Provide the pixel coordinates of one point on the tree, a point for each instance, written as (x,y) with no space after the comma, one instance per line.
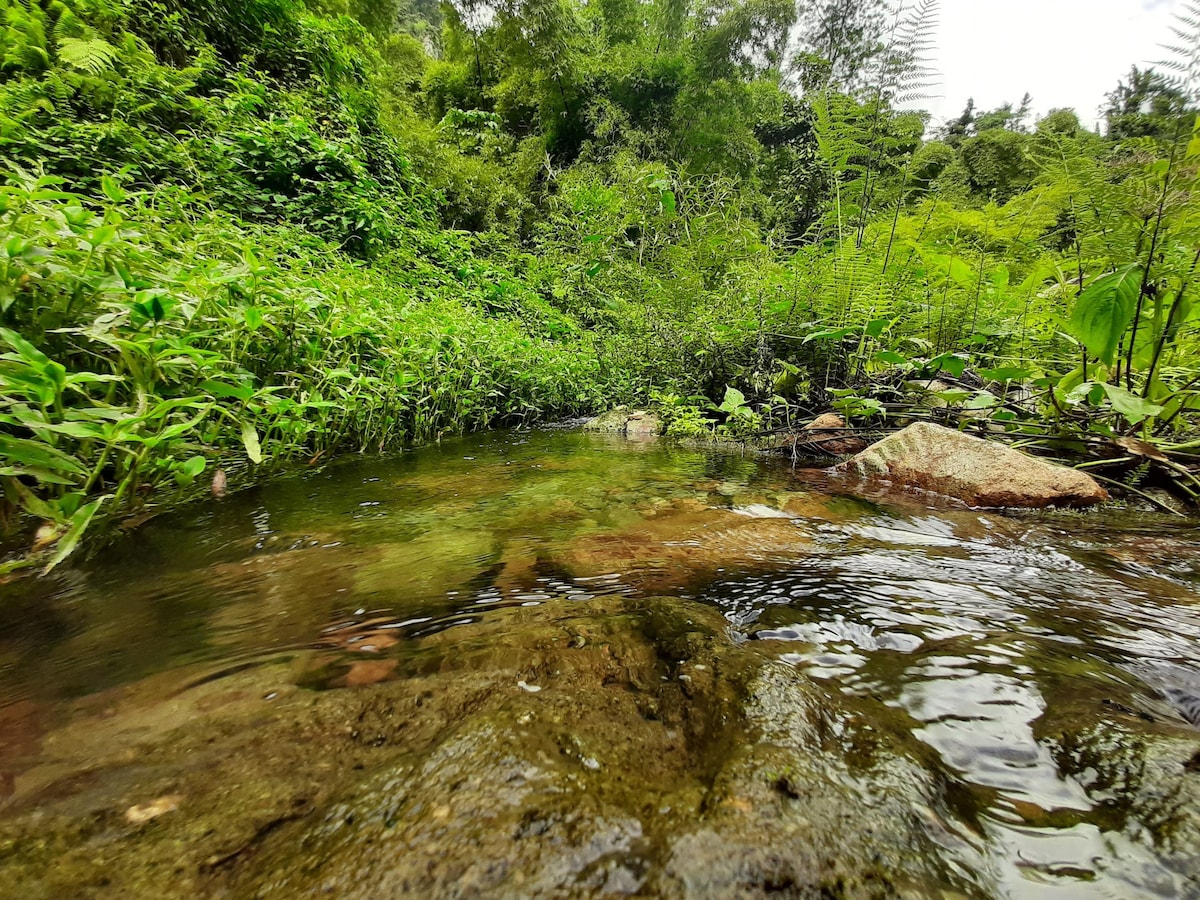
(958,130)
(747,37)
(997,164)
(1059,121)
(839,38)
(1148,104)
(1004,116)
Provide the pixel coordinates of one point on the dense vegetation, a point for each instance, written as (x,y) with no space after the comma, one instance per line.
(239,233)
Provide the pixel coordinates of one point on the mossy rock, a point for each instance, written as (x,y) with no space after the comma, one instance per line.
(623,420)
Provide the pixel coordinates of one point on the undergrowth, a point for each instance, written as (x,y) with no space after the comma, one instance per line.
(238,234)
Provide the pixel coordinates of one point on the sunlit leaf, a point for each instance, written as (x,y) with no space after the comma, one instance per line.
(69,541)
(1131,406)
(1104,310)
(734,400)
(250,441)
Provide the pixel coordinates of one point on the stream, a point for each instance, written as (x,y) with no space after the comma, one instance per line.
(557,664)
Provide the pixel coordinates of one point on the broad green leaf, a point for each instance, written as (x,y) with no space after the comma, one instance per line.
(829,334)
(250,440)
(68,504)
(29,353)
(221,389)
(194,466)
(954,268)
(187,471)
(77,378)
(734,400)
(1079,393)
(852,406)
(84,431)
(43,476)
(112,190)
(1103,311)
(37,455)
(952,397)
(962,273)
(982,400)
(35,505)
(1131,406)
(103,235)
(876,327)
(1069,382)
(953,363)
(175,430)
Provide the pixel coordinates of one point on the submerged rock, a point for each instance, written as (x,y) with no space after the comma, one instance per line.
(658,757)
(978,472)
(619,747)
(691,536)
(625,421)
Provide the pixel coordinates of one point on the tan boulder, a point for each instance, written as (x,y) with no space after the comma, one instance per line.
(978,472)
(640,422)
(831,435)
(826,433)
(825,421)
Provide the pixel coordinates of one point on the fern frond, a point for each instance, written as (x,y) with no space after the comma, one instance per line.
(23,38)
(914,76)
(1184,57)
(94,55)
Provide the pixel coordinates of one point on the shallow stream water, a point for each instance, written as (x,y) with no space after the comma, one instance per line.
(992,704)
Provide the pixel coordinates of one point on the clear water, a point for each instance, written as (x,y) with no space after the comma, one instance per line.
(991,637)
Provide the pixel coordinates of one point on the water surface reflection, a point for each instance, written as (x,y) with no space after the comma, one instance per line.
(994,641)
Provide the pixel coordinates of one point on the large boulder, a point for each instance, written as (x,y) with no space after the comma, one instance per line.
(978,472)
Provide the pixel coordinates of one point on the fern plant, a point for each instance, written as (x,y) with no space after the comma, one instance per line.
(92,55)
(23,44)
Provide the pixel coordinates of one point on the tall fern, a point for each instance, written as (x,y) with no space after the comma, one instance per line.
(23,38)
(92,55)
(903,75)
(1184,60)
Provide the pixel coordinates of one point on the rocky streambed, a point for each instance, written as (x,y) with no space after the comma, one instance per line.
(559,665)
(630,748)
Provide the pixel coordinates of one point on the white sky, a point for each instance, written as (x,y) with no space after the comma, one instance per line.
(1064,52)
